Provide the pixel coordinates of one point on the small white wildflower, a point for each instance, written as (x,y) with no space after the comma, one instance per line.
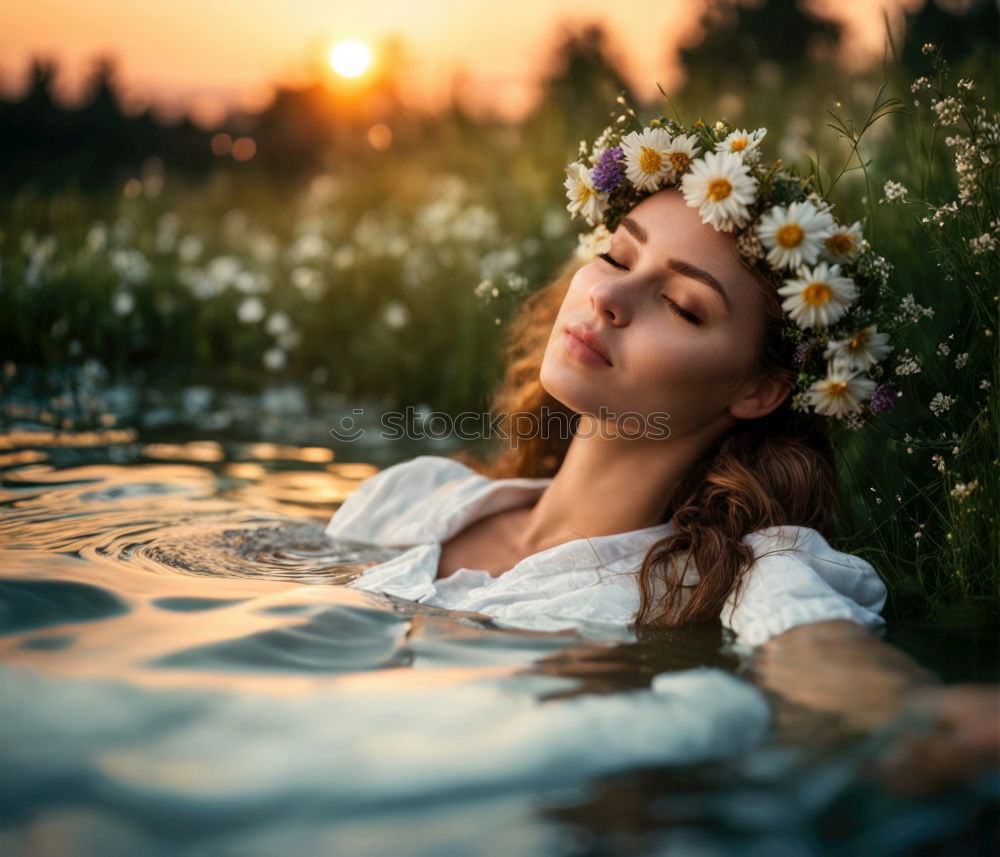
(396,315)
(123,302)
(941,403)
(963,489)
(278,323)
(938,462)
(591,244)
(985,243)
(892,191)
(908,364)
(250,310)
(961,360)
(911,311)
(275,358)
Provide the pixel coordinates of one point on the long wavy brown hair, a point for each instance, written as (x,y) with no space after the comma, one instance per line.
(771,471)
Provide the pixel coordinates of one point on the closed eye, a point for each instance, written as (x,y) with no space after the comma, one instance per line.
(607,258)
(683,313)
(689,317)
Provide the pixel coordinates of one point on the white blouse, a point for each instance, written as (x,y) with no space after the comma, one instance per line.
(586,584)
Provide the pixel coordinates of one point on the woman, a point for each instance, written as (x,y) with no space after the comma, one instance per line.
(661,467)
(668,403)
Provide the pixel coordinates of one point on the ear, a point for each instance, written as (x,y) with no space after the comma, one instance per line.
(763,396)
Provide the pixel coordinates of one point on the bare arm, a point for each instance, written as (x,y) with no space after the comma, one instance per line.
(839,675)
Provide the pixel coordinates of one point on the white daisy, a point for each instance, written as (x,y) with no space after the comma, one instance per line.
(819,297)
(647,161)
(583,197)
(590,244)
(862,351)
(721,187)
(843,244)
(742,142)
(794,235)
(683,149)
(841,392)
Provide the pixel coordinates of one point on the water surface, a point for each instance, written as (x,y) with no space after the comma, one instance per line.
(183,672)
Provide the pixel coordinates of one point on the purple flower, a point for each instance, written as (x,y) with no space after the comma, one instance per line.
(883,398)
(802,351)
(607,175)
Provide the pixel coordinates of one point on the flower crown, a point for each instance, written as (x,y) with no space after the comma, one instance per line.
(831,280)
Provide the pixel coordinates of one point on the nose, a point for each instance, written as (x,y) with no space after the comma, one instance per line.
(614,299)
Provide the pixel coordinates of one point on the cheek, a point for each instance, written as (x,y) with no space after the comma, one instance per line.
(669,364)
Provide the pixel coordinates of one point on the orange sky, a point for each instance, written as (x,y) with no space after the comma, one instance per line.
(207,54)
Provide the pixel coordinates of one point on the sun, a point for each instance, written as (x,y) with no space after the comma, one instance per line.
(350,58)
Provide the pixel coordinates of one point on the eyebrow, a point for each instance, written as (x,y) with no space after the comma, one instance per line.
(685,269)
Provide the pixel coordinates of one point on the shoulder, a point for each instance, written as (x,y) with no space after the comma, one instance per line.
(381,502)
(797,578)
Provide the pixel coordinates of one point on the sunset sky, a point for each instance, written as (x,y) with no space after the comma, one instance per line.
(206,55)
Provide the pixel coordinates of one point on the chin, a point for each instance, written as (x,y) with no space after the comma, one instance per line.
(558,382)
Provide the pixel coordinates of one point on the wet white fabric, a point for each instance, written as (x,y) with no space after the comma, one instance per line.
(418,504)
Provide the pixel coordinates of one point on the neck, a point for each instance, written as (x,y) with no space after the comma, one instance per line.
(609,485)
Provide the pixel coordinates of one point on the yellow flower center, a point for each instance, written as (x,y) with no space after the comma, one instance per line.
(858,340)
(816,293)
(840,243)
(583,193)
(739,145)
(836,388)
(679,161)
(790,235)
(719,189)
(650,161)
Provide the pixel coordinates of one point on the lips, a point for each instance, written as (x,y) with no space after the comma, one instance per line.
(590,339)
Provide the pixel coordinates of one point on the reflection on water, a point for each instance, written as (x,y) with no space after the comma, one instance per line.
(183,672)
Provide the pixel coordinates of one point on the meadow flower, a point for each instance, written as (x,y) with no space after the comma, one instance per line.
(963,489)
(841,392)
(584,198)
(680,153)
(843,244)
(123,302)
(590,244)
(883,399)
(608,173)
(794,235)
(742,142)
(891,191)
(395,315)
(941,403)
(250,310)
(911,311)
(189,249)
(819,297)
(275,358)
(278,323)
(647,162)
(863,350)
(309,281)
(721,187)
(907,364)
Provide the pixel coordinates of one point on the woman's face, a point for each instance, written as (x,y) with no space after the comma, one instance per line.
(678,318)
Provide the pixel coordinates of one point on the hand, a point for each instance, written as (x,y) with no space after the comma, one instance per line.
(947,736)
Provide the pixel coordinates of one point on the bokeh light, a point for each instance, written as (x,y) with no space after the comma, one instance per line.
(380,136)
(244,148)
